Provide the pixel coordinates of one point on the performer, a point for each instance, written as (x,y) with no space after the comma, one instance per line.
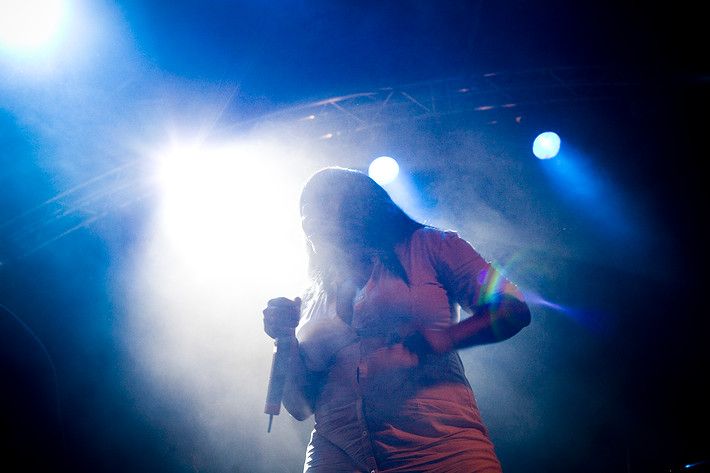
(377,333)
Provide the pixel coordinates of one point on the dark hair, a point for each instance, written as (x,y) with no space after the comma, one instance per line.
(375,223)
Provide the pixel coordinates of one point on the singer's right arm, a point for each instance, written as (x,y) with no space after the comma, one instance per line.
(281,317)
(298,396)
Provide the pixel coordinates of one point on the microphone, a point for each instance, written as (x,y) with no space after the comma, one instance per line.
(277,378)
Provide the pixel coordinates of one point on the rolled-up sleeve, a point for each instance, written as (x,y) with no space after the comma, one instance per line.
(468,278)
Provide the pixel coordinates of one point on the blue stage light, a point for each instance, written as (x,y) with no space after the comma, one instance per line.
(383,170)
(546,145)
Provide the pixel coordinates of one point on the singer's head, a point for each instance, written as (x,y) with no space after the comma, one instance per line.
(346,210)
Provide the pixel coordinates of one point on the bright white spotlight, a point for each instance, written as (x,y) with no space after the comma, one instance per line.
(212,193)
(29,25)
(546,145)
(383,170)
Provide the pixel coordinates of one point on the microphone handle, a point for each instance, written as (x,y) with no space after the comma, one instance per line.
(277,378)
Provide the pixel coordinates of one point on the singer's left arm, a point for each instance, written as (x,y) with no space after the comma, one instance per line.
(497,307)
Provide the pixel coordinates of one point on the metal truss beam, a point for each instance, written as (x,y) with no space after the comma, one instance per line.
(86,203)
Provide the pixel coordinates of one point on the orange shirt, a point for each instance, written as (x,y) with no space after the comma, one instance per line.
(377,409)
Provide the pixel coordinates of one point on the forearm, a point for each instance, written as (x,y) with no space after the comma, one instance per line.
(502,318)
(498,320)
(298,396)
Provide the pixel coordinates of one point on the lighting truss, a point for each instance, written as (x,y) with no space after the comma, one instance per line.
(465,95)
(84,204)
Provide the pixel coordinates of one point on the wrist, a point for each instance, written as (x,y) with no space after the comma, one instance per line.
(440,340)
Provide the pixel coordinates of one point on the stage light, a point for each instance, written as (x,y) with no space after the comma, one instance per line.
(383,170)
(29,26)
(546,145)
(211,193)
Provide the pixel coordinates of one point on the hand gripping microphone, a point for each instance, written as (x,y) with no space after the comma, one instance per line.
(277,378)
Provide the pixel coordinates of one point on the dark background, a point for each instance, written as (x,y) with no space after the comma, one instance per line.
(619,384)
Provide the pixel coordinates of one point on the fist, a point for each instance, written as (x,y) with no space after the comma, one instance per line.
(281,316)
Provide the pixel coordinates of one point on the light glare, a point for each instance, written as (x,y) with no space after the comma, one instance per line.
(29,25)
(212,195)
